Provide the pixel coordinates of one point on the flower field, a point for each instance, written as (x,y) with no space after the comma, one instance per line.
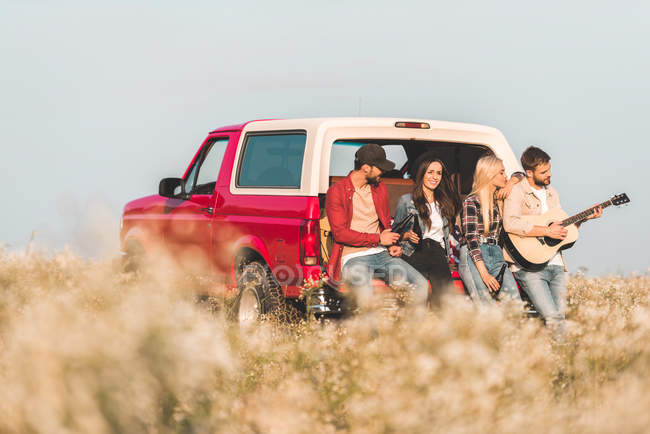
(86,348)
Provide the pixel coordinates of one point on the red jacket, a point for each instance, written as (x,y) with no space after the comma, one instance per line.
(338,206)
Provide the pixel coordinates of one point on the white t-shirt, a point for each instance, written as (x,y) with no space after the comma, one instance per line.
(370,251)
(541,195)
(435,232)
(364,219)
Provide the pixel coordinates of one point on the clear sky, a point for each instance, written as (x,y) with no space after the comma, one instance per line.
(100,100)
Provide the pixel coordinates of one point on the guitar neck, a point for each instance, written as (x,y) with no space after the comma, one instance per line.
(582,216)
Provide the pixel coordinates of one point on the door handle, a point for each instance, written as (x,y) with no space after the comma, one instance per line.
(208,209)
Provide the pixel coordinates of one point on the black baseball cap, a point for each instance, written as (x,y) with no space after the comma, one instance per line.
(374,155)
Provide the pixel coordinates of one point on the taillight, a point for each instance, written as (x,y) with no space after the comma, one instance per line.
(309,242)
(422,125)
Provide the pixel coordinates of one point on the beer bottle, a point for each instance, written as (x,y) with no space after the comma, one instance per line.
(500,275)
(499,278)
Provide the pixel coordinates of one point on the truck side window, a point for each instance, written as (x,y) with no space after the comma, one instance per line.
(203,180)
(272,160)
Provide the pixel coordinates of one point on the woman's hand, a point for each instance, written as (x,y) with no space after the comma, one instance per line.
(504,192)
(490,281)
(395,251)
(411,236)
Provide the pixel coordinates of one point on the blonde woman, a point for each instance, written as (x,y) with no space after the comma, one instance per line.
(481,257)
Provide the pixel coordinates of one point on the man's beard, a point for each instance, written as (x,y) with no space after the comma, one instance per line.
(374,181)
(542,182)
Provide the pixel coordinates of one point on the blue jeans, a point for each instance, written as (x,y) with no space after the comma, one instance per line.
(358,272)
(493,259)
(547,291)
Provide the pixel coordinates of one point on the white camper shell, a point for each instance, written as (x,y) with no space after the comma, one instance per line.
(326,161)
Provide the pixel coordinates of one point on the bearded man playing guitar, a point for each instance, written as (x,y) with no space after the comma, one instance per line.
(546,285)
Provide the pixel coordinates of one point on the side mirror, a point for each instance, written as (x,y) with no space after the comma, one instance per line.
(172,187)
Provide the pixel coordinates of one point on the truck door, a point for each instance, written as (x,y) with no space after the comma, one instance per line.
(189,233)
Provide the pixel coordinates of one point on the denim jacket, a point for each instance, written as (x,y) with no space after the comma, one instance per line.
(405,206)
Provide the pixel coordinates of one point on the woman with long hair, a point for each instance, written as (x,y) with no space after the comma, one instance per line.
(481,257)
(434,203)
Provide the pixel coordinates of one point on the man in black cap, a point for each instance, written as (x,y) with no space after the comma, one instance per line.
(359,215)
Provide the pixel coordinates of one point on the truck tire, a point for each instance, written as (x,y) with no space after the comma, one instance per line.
(258,294)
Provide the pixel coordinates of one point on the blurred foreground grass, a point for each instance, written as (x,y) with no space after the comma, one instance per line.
(84,348)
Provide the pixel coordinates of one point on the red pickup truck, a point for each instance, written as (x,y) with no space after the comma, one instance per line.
(250,206)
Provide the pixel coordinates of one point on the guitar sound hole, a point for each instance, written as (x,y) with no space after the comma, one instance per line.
(552,241)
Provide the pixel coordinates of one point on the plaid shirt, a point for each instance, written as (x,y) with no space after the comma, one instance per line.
(471,221)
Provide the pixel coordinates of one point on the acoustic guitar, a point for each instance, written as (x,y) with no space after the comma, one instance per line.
(533,253)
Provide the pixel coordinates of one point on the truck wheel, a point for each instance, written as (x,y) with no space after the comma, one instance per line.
(259,294)
(248,307)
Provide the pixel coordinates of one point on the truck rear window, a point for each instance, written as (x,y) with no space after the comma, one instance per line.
(460,158)
(272,160)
